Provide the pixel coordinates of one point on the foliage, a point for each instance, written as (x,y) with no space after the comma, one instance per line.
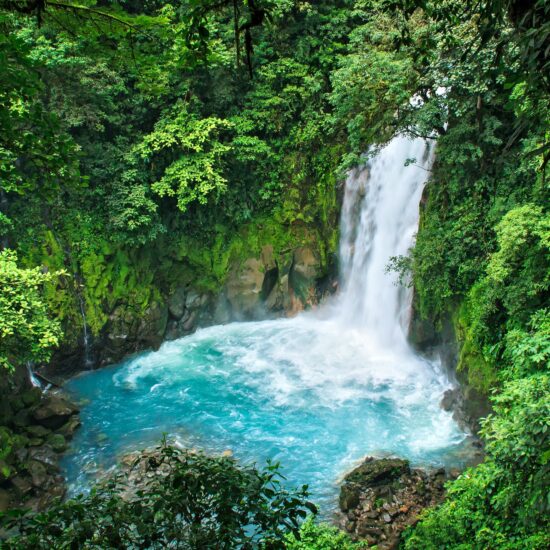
(26,331)
(321,537)
(188,500)
(502,503)
(145,145)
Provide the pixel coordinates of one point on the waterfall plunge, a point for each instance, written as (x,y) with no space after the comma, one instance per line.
(318,391)
(379,220)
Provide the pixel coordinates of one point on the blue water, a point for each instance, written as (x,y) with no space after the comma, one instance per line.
(313,393)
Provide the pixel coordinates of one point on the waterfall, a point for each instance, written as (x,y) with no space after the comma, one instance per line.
(379,221)
(317,391)
(32,376)
(88,361)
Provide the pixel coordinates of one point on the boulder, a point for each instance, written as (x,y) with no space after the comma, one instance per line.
(54,411)
(46,455)
(21,484)
(38,473)
(279,297)
(37,431)
(383,497)
(244,286)
(68,429)
(176,303)
(32,396)
(6,412)
(22,418)
(57,442)
(153,325)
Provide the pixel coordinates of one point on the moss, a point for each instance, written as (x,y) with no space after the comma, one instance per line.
(480,373)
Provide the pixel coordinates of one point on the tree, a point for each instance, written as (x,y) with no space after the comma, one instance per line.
(26,331)
(185,500)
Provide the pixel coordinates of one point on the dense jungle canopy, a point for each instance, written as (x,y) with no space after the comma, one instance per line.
(145,143)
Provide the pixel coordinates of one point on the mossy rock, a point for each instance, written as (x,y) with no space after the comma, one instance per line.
(372,473)
(6,412)
(17,404)
(31,397)
(22,419)
(57,442)
(37,431)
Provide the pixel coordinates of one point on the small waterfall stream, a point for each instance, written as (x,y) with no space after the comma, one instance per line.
(86,340)
(317,392)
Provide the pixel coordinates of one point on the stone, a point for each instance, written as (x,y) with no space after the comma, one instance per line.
(46,455)
(54,411)
(5,500)
(152,325)
(57,442)
(22,418)
(68,429)
(305,269)
(279,298)
(189,324)
(193,299)
(375,472)
(37,431)
(32,396)
(38,473)
(386,493)
(16,403)
(22,454)
(349,496)
(21,484)
(6,412)
(176,303)
(244,286)
(222,311)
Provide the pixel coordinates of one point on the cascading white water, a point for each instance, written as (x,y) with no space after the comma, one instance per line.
(318,391)
(378,222)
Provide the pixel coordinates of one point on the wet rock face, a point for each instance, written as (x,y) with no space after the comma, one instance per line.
(35,427)
(259,286)
(468,407)
(382,497)
(243,288)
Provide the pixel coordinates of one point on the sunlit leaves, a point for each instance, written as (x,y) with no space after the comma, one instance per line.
(26,331)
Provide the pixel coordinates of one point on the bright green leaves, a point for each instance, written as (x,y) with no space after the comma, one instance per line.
(323,536)
(372,83)
(512,295)
(195,153)
(26,332)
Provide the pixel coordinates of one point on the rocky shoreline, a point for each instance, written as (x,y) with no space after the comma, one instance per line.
(383,496)
(35,428)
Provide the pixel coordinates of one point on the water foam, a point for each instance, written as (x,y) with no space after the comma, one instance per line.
(318,391)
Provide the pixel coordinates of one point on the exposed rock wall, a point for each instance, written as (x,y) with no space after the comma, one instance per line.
(440,339)
(259,286)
